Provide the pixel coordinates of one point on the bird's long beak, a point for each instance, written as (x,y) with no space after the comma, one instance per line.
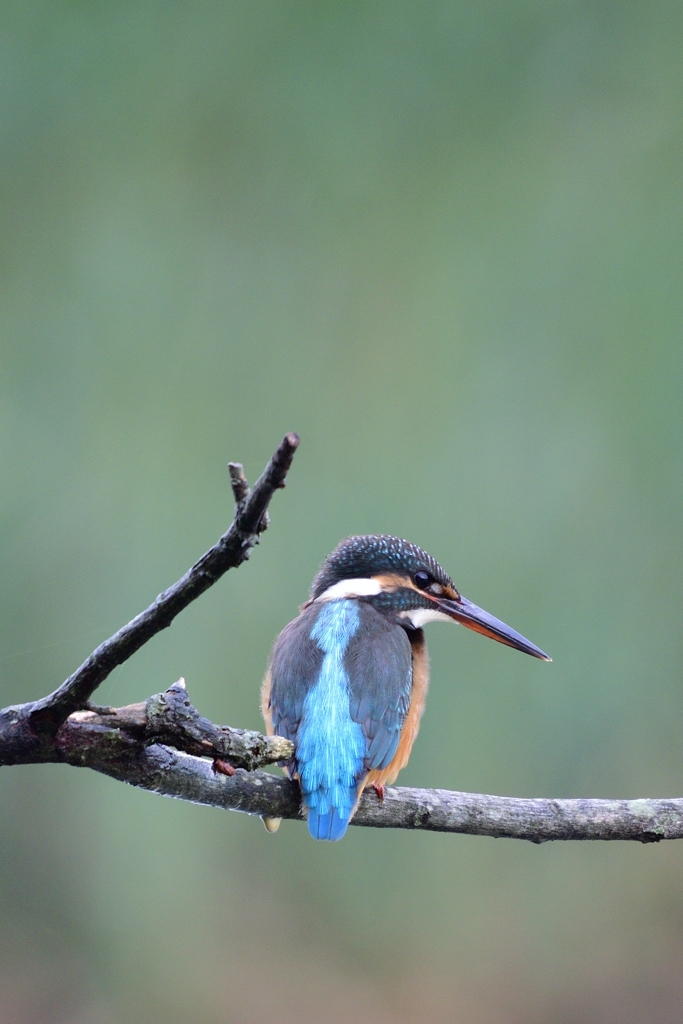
(475,618)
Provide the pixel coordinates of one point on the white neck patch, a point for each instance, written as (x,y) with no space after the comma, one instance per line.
(419,617)
(350,588)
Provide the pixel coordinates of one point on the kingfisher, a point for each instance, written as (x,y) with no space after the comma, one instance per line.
(348,678)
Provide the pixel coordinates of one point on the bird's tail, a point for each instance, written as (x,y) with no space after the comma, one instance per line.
(330,826)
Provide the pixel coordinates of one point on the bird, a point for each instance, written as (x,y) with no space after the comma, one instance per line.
(348,677)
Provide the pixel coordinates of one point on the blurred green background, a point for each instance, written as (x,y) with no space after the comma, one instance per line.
(444,242)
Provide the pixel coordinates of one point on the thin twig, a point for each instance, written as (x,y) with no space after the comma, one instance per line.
(239,483)
(231,550)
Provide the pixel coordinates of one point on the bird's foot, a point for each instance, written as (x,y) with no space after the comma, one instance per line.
(222,767)
(379,790)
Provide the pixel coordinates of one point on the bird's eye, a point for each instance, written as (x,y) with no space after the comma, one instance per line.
(422,580)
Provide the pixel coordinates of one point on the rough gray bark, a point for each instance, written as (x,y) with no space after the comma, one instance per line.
(164,745)
(431,810)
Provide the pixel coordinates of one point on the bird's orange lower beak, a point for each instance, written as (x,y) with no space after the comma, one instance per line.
(475,618)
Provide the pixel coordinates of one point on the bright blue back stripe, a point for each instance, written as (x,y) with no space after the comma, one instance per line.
(330,745)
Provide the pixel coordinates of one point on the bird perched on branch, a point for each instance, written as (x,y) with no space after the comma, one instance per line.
(348,677)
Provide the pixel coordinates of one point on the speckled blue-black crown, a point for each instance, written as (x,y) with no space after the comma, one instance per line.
(372,555)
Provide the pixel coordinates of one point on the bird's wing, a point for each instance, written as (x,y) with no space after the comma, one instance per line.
(378,662)
(294,668)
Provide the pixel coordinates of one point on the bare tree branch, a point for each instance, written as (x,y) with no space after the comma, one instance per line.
(164,745)
(230,551)
(172,773)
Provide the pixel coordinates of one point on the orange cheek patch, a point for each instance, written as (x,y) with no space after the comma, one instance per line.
(392,581)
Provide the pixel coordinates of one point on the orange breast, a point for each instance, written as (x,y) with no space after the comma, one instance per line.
(265,703)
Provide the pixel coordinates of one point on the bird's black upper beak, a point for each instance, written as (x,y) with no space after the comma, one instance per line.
(470,615)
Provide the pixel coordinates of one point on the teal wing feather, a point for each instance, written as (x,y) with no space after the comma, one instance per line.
(294,669)
(379,666)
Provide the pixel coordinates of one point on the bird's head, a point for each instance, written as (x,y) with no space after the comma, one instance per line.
(400,579)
